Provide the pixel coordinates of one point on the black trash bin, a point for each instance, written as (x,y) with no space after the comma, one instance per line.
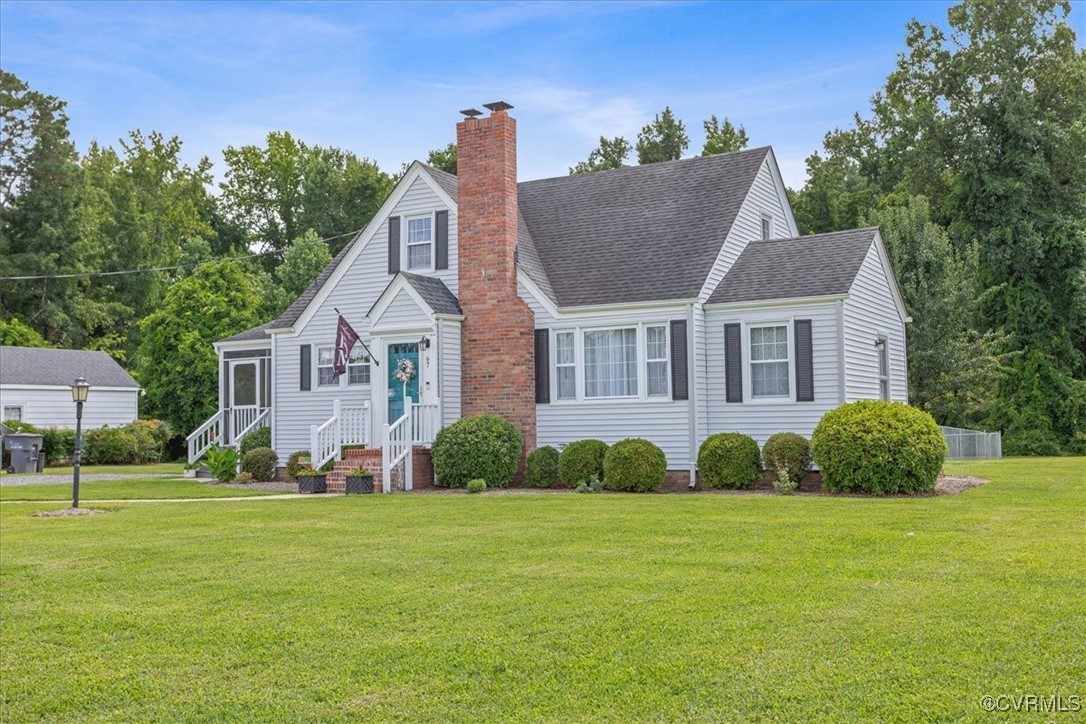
(25,450)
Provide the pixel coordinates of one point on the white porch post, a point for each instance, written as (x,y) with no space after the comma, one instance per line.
(337,429)
(409,408)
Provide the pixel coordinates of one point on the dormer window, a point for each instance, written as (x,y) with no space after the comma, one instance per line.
(767,226)
(420,242)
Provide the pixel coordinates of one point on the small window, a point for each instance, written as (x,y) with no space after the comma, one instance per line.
(419,242)
(767,226)
(566,364)
(13,412)
(358,366)
(610,363)
(882,349)
(326,375)
(656,360)
(769,362)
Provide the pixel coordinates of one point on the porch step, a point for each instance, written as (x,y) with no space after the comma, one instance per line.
(367,459)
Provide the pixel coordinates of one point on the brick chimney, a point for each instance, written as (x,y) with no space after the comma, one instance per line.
(497,350)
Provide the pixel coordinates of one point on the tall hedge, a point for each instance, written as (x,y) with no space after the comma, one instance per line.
(484,447)
(878,447)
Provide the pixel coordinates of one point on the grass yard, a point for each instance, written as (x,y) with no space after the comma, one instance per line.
(551,607)
(152,469)
(134,489)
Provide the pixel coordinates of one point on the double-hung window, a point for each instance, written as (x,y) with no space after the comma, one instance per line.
(884,368)
(769,362)
(420,242)
(610,363)
(358,366)
(566,365)
(656,360)
(767,226)
(326,375)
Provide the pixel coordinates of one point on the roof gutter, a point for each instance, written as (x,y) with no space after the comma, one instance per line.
(764,303)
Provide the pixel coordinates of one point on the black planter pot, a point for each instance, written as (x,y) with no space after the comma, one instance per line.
(358,484)
(314,483)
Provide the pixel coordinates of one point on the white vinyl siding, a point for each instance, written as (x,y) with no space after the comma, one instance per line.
(402,313)
(449,334)
(49,407)
(769,362)
(870,313)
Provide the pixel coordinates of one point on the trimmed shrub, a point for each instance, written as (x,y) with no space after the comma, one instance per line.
(297,463)
(789,451)
(261,463)
(580,460)
(729,460)
(634,465)
(261,437)
(878,447)
(476,486)
(485,446)
(58,444)
(541,469)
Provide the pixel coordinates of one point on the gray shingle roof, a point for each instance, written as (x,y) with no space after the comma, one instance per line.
(256,333)
(643,233)
(435,293)
(60,367)
(805,266)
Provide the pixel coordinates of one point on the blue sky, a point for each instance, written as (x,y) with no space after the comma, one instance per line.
(386,80)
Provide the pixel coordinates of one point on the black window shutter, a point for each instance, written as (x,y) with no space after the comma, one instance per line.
(804,362)
(733,363)
(305,382)
(680,376)
(542,366)
(393,244)
(441,252)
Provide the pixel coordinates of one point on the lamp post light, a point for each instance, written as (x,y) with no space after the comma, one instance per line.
(80,389)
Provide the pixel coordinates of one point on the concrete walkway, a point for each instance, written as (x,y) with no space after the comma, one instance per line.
(91,503)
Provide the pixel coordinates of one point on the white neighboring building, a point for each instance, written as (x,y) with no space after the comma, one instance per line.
(35,387)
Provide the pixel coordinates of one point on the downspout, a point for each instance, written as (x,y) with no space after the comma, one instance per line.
(692,383)
(271,373)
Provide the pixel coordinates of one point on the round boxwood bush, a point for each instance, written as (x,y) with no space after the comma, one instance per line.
(581,460)
(634,465)
(729,460)
(878,447)
(789,451)
(476,486)
(260,463)
(261,437)
(486,447)
(541,469)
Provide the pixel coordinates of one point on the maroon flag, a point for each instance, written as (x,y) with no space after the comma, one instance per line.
(345,340)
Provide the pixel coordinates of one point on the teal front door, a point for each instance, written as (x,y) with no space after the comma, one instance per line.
(396,353)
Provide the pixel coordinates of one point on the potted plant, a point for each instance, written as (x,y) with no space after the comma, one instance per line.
(310,480)
(359,481)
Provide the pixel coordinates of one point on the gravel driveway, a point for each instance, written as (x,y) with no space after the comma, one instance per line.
(43,479)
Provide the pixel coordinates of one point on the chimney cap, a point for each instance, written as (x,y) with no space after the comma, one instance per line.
(497,106)
(471,112)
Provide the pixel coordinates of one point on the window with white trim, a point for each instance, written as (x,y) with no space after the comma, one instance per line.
(326,374)
(610,363)
(656,360)
(420,237)
(565,357)
(13,412)
(769,362)
(883,351)
(767,226)
(358,366)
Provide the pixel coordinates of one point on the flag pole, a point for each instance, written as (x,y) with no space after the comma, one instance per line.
(373,357)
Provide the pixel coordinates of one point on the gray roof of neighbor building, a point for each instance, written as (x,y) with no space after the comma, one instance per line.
(805,266)
(643,233)
(256,333)
(60,367)
(435,293)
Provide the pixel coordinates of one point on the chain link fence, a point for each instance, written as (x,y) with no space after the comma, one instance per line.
(972,444)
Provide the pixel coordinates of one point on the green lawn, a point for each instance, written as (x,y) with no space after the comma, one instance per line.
(551,607)
(133,489)
(153,469)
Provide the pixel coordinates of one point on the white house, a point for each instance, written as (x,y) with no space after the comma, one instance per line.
(668,301)
(35,387)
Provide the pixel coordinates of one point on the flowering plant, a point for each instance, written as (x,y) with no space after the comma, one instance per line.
(405,370)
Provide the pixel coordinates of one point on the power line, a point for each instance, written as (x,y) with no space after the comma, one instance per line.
(194,264)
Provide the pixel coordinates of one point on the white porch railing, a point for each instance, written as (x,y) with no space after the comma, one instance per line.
(398,447)
(425,422)
(206,435)
(260,421)
(348,425)
(354,424)
(242,419)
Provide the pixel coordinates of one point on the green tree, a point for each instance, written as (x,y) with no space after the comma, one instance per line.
(15,333)
(302,262)
(723,137)
(177,365)
(443,159)
(837,194)
(611,153)
(664,139)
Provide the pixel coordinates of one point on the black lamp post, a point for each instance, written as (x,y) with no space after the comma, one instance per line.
(80,388)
